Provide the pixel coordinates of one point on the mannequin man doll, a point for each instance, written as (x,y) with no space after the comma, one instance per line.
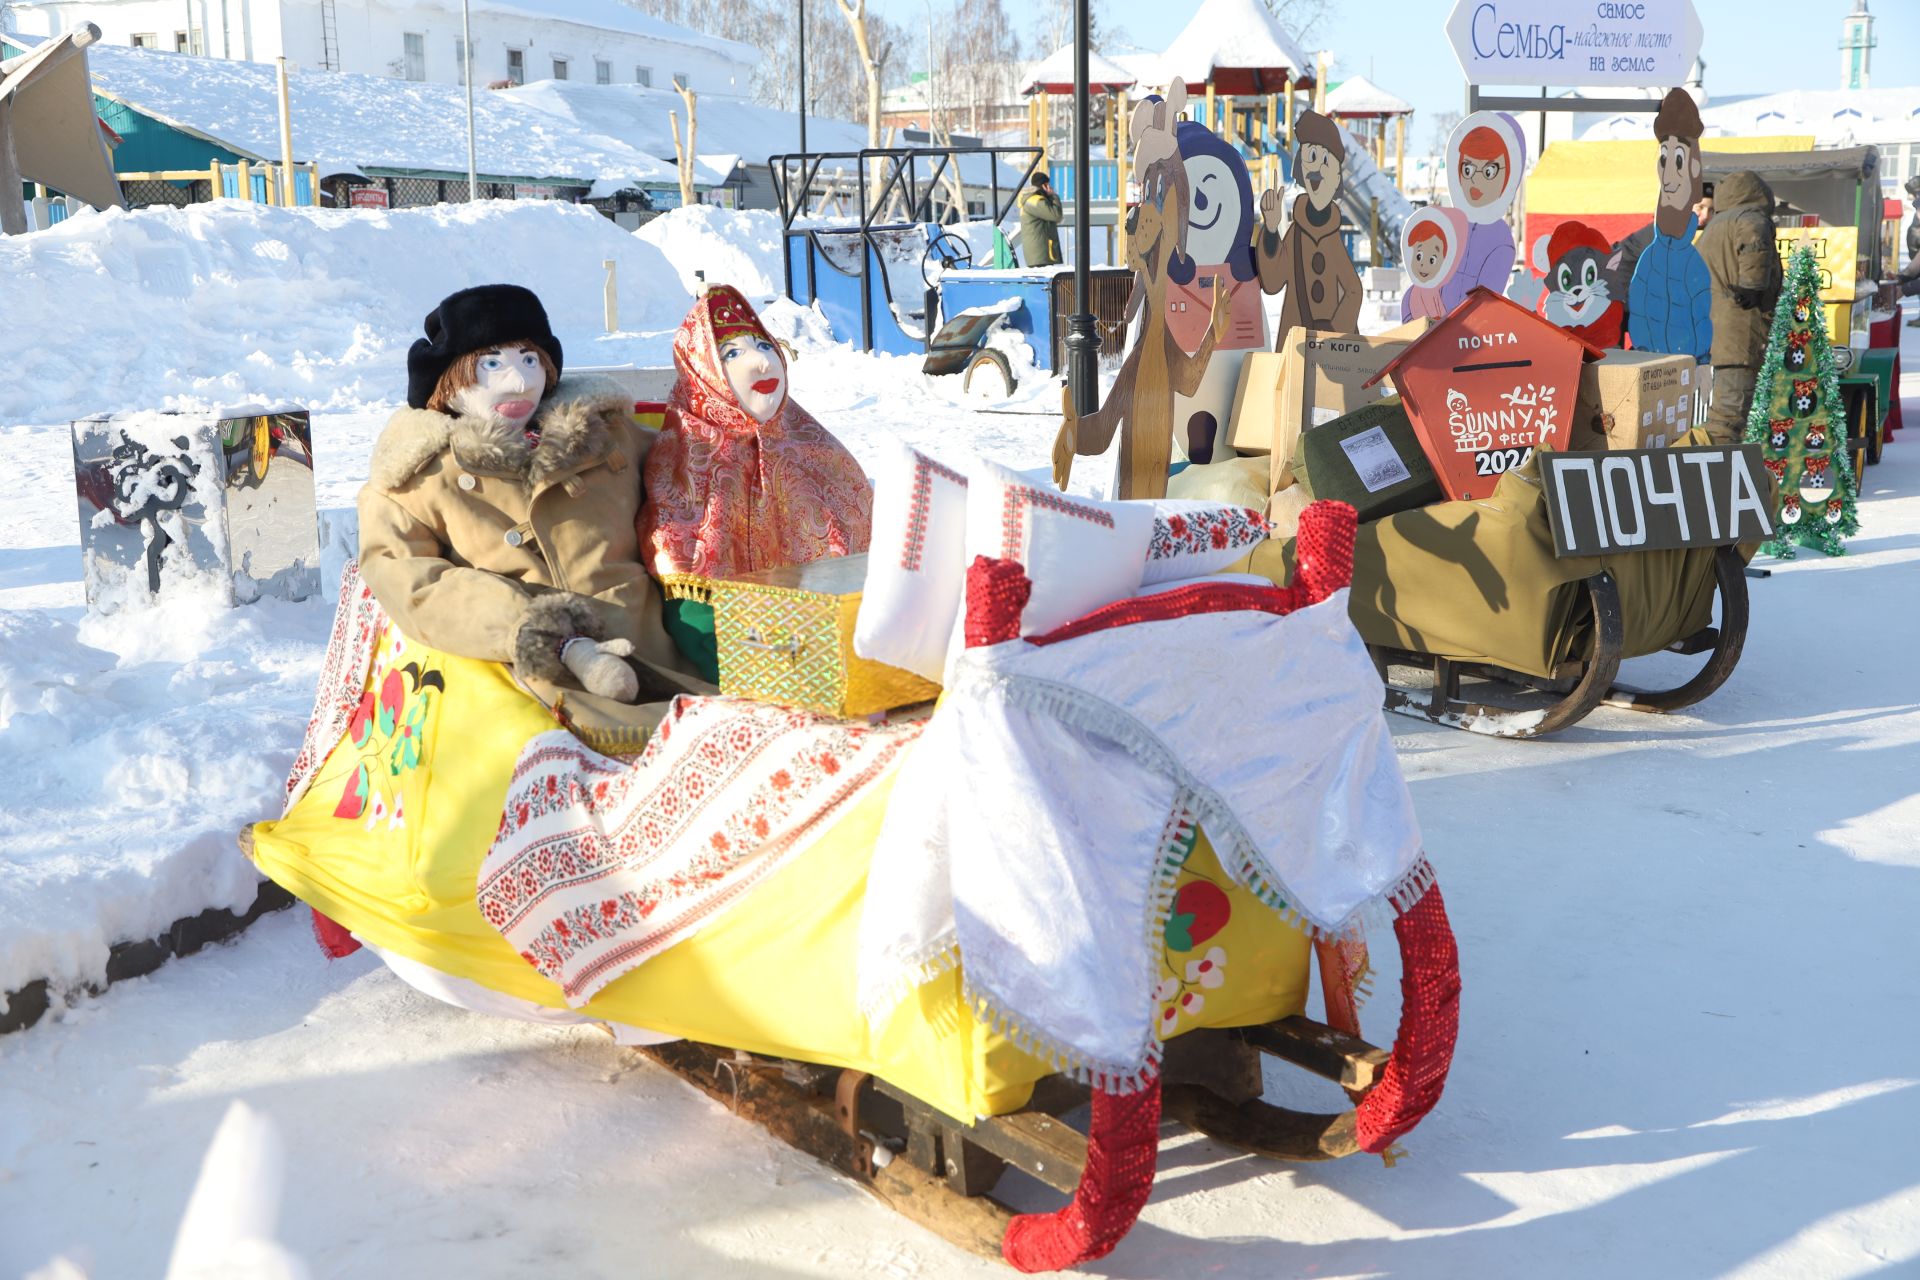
(497,521)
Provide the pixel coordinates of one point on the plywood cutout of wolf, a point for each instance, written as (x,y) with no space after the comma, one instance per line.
(1140,405)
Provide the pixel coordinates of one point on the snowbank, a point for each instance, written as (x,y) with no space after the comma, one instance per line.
(187,308)
(737,247)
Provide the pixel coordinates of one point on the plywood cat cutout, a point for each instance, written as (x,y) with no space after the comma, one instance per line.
(1140,405)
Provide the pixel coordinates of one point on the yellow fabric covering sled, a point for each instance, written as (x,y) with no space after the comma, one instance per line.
(389,838)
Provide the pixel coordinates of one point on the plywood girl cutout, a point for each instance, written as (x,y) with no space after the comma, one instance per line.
(1140,404)
(1309,262)
(1433,241)
(1486,160)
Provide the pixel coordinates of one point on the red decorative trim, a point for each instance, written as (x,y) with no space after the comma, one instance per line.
(1123,1147)
(920,507)
(997,594)
(333,938)
(1013,514)
(1429,1025)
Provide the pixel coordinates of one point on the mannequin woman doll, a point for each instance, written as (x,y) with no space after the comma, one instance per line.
(742,478)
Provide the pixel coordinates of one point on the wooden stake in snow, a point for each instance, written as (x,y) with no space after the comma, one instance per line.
(286,138)
(612,294)
(683,153)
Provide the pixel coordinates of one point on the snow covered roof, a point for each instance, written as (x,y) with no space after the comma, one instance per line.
(1833,116)
(350,123)
(1054,73)
(1238,45)
(1359,96)
(636,116)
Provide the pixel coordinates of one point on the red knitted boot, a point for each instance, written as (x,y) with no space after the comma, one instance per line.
(1123,1145)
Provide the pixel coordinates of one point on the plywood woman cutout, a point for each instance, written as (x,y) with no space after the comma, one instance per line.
(1140,405)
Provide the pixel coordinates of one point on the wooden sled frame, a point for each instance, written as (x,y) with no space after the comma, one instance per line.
(940,1172)
(1581,683)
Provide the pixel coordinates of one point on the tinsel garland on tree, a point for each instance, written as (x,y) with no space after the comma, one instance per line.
(1798,423)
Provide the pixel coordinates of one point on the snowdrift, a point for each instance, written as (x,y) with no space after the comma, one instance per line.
(737,247)
(232,301)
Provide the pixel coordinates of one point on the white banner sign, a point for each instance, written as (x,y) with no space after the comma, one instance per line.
(1648,43)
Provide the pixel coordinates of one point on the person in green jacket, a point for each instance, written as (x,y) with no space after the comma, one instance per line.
(1040,223)
(1744,265)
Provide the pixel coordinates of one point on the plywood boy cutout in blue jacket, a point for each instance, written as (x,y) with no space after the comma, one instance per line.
(1670,300)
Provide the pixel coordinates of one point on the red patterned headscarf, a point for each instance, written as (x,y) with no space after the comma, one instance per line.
(727,495)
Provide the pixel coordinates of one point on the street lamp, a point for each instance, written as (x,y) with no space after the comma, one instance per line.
(1082,342)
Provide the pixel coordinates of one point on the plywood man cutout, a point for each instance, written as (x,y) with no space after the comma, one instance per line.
(1310,262)
(1486,159)
(1140,405)
(1670,300)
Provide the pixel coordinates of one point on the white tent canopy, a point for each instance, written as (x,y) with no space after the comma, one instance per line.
(1359,96)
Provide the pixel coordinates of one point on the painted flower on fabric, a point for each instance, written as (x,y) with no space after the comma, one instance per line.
(1177,525)
(393,692)
(1210,970)
(377,812)
(407,738)
(399,818)
(1191,1002)
(1169,1019)
(362,722)
(353,799)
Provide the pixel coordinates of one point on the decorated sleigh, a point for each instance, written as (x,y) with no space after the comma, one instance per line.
(926,1080)
(1476,622)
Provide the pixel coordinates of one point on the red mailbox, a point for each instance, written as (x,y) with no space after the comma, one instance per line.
(1485,387)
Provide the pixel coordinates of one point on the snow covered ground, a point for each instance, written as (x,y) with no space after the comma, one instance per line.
(1687,1044)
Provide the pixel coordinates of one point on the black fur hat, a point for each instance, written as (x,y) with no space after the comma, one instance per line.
(482,316)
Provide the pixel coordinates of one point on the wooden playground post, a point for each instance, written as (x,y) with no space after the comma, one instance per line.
(1121,162)
(1045,133)
(1400,152)
(245,180)
(1229,126)
(286,134)
(1286,91)
(1207,119)
(1113,110)
(213,176)
(1273,113)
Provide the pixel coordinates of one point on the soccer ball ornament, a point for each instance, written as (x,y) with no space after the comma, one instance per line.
(1790,509)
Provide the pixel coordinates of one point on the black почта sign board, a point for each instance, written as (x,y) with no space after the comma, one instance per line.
(1656,499)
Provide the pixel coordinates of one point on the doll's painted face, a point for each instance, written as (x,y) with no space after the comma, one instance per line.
(1427,255)
(507,386)
(1319,173)
(756,373)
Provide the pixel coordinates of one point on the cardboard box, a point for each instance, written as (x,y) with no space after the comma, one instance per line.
(1371,459)
(1318,378)
(1486,386)
(1634,400)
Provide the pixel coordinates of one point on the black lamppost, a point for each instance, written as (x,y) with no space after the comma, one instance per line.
(1083,343)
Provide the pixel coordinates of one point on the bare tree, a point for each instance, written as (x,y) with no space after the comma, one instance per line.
(683,153)
(856,16)
(1303,19)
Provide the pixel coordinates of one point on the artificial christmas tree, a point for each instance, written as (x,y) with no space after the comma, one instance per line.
(1796,422)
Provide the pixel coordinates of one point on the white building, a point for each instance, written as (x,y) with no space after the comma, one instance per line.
(516,41)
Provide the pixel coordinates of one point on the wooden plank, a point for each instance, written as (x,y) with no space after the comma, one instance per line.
(1346,1060)
(1262,1128)
(973,1223)
(1040,1145)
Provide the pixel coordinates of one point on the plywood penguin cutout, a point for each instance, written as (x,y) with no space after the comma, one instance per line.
(1670,299)
(1486,160)
(1140,404)
(1309,262)
(1577,296)
(1219,247)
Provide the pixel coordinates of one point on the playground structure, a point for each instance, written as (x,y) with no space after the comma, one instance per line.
(885,276)
(49,134)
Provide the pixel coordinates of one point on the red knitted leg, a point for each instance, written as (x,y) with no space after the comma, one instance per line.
(1123,1145)
(1429,1025)
(333,939)
(1323,549)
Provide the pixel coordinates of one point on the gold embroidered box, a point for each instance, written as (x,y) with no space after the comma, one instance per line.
(786,636)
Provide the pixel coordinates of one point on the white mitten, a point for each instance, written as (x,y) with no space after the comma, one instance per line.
(599,665)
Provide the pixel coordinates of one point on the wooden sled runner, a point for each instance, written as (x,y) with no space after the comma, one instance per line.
(941,1172)
(1515,705)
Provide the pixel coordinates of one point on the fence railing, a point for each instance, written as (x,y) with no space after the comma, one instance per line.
(261,183)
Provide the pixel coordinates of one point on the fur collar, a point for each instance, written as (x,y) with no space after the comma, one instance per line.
(575,432)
